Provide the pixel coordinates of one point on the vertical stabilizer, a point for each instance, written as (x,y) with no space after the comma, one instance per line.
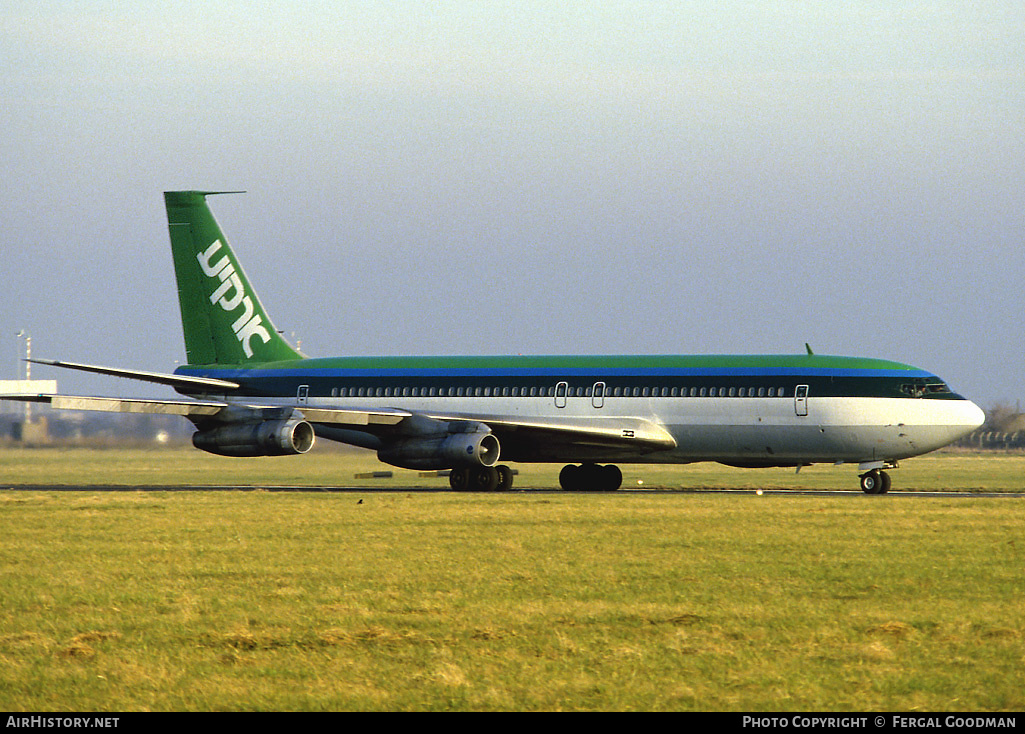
(223,320)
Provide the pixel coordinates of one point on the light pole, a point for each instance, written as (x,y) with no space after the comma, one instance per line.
(28,370)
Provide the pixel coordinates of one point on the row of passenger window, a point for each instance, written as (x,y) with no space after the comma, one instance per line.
(432,392)
(694,392)
(580,392)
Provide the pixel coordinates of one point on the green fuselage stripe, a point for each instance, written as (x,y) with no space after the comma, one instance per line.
(596,364)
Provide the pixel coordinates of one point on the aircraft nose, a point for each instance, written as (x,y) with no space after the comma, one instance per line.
(976,416)
(965,417)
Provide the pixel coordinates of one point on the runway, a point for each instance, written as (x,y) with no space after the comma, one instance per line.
(923,494)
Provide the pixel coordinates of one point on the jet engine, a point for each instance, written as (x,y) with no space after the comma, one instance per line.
(257,438)
(463,443)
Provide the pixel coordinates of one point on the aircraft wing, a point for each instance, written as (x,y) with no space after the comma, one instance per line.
(192,409)
(518,435)
(521,438)
(632,436)
(210,409)
(186,408)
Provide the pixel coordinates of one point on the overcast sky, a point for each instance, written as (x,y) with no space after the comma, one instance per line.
(524,177)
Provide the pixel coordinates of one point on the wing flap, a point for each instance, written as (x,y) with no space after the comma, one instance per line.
(186,408)
(344,416)
(210,409)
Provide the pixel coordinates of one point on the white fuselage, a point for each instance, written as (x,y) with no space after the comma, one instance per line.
(745,431)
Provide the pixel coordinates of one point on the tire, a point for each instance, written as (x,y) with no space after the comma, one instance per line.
(612,478)
(459,479)
(569,478)
(871,482)
(884,483)
(484,478)
(505,478)
(590,477)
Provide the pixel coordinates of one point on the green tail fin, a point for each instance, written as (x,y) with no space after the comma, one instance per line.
(223,320)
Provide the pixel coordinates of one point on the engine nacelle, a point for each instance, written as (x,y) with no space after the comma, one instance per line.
(445,451)
(258,438)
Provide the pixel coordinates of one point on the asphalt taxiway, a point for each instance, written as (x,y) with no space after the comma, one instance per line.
(909,493)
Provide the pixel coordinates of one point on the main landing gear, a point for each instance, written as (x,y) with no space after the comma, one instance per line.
(590,477)
(875,482)
(586,477)
(481,478)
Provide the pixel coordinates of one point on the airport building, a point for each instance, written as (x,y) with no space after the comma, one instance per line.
(26,428)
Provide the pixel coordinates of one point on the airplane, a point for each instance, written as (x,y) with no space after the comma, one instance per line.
(249,392)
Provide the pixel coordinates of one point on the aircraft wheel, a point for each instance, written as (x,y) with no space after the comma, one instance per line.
(612,477)
(884,484)
(590,477)
(459,479)
(873,483)
(569,478)
(505,478)
(484,478)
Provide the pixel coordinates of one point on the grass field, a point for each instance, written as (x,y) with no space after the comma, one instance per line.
(330,467)
(395,600)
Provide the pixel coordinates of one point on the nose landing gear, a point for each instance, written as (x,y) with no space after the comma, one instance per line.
(875,482)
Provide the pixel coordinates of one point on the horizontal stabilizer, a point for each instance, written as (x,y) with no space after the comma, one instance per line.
(161,378)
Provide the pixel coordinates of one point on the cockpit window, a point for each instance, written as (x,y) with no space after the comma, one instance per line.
(923,387)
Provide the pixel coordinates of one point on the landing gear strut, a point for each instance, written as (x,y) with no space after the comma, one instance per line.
(875,482)
(590,477)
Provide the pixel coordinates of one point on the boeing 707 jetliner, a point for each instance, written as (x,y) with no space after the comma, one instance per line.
(250,393)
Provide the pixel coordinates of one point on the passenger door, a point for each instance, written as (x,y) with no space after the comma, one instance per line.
(801,400)
(560,394)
